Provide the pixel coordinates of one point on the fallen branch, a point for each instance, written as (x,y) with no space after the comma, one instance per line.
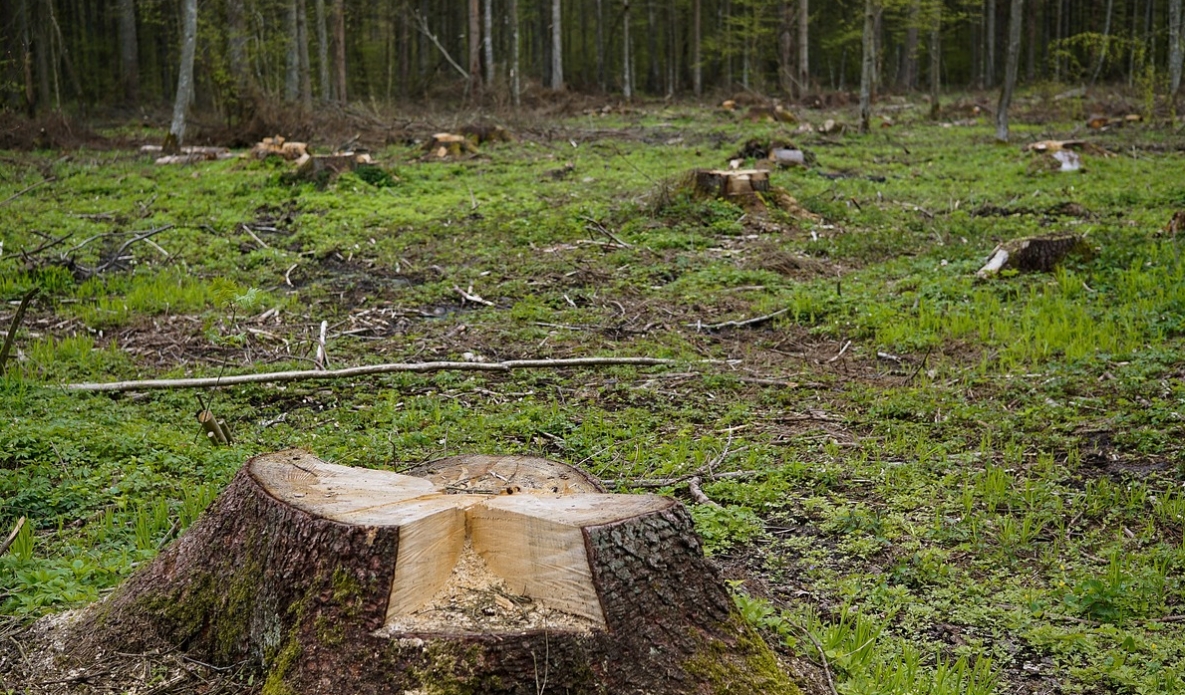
(470,297)
(736,324)
(13,326)
(26,189)
(697,493)
(124,247)
(20,523)
(842,350)
(305,375)
(595,226)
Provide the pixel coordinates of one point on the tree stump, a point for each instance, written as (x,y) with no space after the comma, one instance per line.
(1041,253)
(728,183)
(478,575)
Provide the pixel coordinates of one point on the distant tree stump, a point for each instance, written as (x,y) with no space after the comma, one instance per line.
(481,575)
(1041,253)
(726,183)
(443,145)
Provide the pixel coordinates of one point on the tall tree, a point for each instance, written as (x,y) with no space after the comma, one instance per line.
(652,76)
(785,49)
(129,52)
(302,54)
(935,59)
(1175,48)
(907,75)
(627,80)
(557,48)
(339,49)
(322,50)
(1103,49)
(867,64)
(475,48)
(515,90)
(804,68)
(602,79)
(488,40)
(1015,19)
(697,67)
(989,63)
(185,78)
(291,53)
(237,48)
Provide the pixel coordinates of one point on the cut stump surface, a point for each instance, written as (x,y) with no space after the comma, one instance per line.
(477,575)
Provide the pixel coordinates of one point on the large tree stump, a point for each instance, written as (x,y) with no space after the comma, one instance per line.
(1039,253)
(481,575)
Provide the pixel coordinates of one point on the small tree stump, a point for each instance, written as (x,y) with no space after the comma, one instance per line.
(312,167)
(444,145)
(724,183)
(480,575)
(1041,253)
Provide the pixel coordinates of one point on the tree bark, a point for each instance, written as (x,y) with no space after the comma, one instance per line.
(804,68)
(989,67)
(907,77)
(185,78)
(697,68)
(237,48)
(322,51)
(129,51)
(867,64)
(1015,19)
(935,60)
(1175,49)
(557,48)
(785,50)
(485,574)
(515,66)
(627,84)
(475,48)
(1098,68)
(339,49)
(652,75)
(602,77)
(291,53)
(488,40)
(302,55)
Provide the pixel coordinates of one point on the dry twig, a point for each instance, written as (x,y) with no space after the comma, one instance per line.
(20,523)
(13,326)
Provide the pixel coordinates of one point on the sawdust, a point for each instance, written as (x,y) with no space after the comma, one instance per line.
(475,600)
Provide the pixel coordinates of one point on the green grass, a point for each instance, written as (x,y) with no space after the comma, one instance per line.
(993,503)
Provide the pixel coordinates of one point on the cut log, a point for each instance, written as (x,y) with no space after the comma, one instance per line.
(443,145)
(313,167)
(479,574)
(1041,253)
(719,183)
(279,147)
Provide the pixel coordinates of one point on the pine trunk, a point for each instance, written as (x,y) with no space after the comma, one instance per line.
(1175,49)
(804,69)
(237,49)
(1015,17)
(322,51)
(557,48)
(515,84)
(627,83)
(989,63)
(488,40)
(339,49)
(302,54)
(479,574)
(475,48)
(936,61)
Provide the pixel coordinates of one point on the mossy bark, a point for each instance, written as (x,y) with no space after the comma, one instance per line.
(300,597)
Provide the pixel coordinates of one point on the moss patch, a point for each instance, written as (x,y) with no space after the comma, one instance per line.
(749,667)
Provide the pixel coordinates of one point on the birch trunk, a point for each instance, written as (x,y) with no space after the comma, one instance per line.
(557,47)
(1015,19)
(323,51)
(129,51)
(867,64)
(185,79)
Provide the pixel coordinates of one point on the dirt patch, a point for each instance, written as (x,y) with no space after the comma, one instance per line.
(350,282)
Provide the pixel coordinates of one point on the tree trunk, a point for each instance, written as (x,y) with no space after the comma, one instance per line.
(627,85)
(907,77)
(237,49)
(475,48)
(291,53)
(515,85)
(804,68)
(481,573)
(652,75)
(867,64)
(557,48)
(1175,49)
(1098,68)
(602,78)
(488,40)
(339,49)
(697,68)
(185,79)
(302,54)
(785,50)
(129,52)
(989,67)
(1015,19)
(935,59)
(322,51)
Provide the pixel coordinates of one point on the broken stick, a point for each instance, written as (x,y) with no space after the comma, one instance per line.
(14,325)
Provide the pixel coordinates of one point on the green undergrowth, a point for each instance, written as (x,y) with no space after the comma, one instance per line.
(950,485)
